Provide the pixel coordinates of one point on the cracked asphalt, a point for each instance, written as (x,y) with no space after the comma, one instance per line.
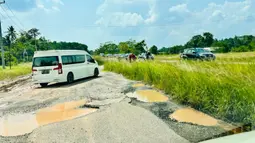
(118,118)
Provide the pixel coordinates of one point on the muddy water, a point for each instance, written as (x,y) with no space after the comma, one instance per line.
(138,85)
(26,123)
(151,96)
(193,116)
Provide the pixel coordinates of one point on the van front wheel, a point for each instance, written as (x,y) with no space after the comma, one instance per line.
(70,78)
(96,72)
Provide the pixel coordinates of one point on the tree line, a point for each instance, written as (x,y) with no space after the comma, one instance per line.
(20,46)
(244,43)
(130,46)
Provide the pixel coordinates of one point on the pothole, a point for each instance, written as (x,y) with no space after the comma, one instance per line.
(150,96)
(189,115)
(22,124)
(138,85)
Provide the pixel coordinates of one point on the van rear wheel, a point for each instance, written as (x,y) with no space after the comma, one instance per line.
(70,78)
(44,84)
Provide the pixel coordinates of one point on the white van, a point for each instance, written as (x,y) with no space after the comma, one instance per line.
(62,66)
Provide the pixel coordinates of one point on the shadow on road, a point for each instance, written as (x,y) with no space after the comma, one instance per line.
(64,84)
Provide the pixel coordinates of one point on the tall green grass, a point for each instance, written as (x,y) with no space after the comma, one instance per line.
(19,70)
(226,91)
(99,60)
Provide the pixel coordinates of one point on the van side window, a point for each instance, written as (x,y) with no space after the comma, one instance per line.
(75,59)
(80,59)
(66,60)
(90,59)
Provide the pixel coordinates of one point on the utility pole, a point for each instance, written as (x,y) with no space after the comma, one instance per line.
(1,41)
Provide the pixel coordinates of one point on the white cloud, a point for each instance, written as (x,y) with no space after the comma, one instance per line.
(49,5)
(110,15)
(126,19)
(120,19)
(179,8)
(152,15)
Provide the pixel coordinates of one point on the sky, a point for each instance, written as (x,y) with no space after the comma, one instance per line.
(163,23)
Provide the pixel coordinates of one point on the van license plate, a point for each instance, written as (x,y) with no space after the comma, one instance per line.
(45,71)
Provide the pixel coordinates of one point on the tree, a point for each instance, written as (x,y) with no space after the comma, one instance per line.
(208,39)
(140,47)
(176,49)
(124,48)
(241,49)
(154,49)
(10,37)
(34,32)
(163,50)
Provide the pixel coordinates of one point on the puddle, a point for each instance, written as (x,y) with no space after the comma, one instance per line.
(26,123)
(138,85)
(193,116)
(190,115)
(151,96)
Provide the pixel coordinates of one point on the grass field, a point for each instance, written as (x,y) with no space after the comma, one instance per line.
(19,70)
(224,90)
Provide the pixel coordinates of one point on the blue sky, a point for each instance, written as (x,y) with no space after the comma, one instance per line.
(160,22)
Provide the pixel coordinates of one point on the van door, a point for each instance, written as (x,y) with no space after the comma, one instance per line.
(79,63)
(90,65)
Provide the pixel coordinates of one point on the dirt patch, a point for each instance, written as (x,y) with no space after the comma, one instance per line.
(138,85)
(8,85)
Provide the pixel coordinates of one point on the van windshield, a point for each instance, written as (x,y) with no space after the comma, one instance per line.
(45,61)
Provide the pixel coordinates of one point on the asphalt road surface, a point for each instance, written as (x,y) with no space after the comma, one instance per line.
(89,110)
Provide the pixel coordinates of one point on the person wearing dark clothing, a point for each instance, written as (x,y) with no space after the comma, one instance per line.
(148,54)
(132,57)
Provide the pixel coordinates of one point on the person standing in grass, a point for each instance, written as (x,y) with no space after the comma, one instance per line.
(131,57)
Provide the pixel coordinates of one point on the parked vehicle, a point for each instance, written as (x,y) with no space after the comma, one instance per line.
(109,55)
(102,54)
(62,66)
(144,56)
(198,54)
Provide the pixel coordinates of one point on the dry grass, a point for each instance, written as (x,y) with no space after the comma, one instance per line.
(19,70)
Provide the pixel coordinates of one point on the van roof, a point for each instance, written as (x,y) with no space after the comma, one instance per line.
(58,52)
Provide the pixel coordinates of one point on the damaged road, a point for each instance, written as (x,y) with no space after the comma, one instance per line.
(103,109)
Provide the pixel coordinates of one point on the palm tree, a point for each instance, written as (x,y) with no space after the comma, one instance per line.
(10,37)
(11,34)
(34,32)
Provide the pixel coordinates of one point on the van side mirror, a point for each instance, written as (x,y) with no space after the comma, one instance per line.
(92,61)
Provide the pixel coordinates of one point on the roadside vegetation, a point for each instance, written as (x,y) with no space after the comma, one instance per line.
(100,60)
(18,70)
(226,91)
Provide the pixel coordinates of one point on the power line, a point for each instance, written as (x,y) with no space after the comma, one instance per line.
(14,15)
(2,16)
(11,18)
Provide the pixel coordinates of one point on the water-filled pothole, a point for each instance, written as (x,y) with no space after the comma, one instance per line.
(150,96)
(25,123)
(189,115)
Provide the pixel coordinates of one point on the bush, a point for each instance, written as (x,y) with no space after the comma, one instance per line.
(99,60)
(241,49)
